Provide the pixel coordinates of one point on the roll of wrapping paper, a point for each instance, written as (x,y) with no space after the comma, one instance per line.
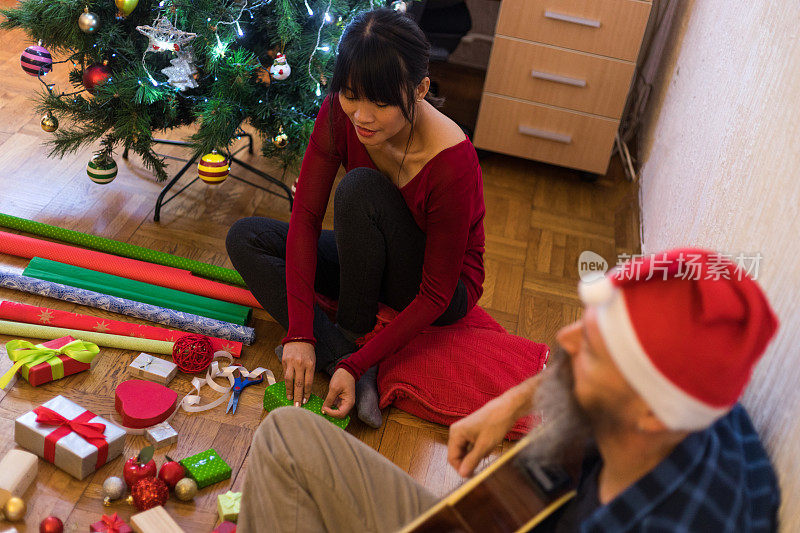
(136,290)
(164,276)
(153,313)
(122,249)
(31,314)
(36,331)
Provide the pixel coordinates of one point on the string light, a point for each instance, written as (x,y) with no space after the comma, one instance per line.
(308,7)
(317,47)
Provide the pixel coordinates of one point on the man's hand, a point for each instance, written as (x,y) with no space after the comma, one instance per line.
(341,394)
(298,363)
(475,436)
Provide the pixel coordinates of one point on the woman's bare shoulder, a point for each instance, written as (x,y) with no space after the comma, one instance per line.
(442,132)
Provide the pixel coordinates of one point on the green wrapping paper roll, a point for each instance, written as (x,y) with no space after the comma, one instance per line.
(36,331)
(121,249)
(136,290)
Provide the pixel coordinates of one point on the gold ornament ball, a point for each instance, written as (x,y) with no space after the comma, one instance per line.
(186,489)
(88,22)
(49,122)
(126,7)
(14,509)
(280,140)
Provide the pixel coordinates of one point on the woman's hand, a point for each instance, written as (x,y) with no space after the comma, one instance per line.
(341,394)
(298,363)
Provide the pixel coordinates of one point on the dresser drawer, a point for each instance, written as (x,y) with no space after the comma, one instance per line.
(559,77)
(544,133)
(611,28)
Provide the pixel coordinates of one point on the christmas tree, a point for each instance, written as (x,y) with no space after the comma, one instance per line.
(141,67)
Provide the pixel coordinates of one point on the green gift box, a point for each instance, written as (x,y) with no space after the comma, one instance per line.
(207,468)
(275,396)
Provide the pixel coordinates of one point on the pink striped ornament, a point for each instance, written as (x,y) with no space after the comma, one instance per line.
(36,58)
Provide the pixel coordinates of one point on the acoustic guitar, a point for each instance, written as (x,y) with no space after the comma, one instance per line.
(513,494)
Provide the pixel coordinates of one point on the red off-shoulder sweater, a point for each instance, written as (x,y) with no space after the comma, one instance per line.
(446,201)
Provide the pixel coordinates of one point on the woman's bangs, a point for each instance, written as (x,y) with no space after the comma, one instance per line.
(372,73)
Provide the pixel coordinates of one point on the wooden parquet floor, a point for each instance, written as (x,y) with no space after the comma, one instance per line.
(539,218)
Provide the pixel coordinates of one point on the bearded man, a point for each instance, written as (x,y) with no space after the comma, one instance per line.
(647,383)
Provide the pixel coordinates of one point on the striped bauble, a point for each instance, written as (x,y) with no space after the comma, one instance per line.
(102,170)
(34,58)
(213,168)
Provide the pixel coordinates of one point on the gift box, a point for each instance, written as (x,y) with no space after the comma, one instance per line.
(110,524)
(228,506)
(225,527)
(161,435)
(152,368)
(155,520)
(275,396)
(46,362)
(207,468)
(67,435)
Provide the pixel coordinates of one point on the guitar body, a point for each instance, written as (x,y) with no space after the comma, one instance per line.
(513,494)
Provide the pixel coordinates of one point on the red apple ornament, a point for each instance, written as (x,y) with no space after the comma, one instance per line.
(140,467)
(171,472)
(51,524)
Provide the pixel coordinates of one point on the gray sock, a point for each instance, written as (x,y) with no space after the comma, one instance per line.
(367,398)
(279,352)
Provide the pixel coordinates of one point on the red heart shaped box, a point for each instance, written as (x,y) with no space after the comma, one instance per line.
(142,404)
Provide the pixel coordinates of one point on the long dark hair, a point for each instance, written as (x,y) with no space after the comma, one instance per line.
(383,56)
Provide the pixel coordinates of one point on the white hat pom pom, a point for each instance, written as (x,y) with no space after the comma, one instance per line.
(597,291)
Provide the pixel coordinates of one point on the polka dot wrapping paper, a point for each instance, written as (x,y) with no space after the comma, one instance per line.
(275,396)
(207,468)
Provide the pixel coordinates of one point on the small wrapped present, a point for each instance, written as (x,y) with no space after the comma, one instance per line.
(46,362)
(161,435)
(155,520)
(18,469)
(275,396)
(67,435)
(152,368)
(110,524)
(225,527)
(206,468)
(228,505)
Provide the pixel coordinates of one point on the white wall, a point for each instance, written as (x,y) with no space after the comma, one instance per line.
(721,169)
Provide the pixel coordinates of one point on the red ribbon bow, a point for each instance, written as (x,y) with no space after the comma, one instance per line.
(114,523)
(91,432)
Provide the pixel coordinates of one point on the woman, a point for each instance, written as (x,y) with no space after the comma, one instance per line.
(408,220)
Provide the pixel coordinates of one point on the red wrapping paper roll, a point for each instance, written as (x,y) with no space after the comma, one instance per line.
(164,276)
(31,314)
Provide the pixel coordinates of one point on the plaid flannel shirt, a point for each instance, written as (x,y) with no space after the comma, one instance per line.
(717,480)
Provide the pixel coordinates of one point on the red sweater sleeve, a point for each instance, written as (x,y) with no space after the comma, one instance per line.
(320,164)
(448,218)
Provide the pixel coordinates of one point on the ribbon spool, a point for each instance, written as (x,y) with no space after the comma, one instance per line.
(191,401)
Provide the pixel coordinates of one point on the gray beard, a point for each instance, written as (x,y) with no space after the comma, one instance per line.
(565,428)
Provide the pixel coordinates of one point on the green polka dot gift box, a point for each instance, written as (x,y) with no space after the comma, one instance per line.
(275,396)
(207,468)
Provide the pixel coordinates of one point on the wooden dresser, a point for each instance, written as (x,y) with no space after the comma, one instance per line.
(558,77)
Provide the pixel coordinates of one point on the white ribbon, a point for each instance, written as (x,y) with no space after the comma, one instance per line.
(190,402)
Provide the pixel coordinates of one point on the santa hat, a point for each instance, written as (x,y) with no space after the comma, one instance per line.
(685,328)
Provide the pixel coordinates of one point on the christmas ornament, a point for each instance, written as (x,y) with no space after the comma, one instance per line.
(186,489)
(164,36)
(36,58)
(213,169)
(280,69)
(95,75)
(49,122)
(140,467)
(126,7)
(149,493)
(400,6)
(182,72)
(88,22)
(102,170)
(14,509)
(51,524)
(281,140)
(113,489)
(171,472)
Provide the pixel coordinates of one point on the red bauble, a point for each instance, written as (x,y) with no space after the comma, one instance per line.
(134,471)
(171,472)
(51,524)
(149,493)
(192,353)
(95,75)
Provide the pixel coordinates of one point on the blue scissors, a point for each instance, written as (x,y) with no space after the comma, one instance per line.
(238,386)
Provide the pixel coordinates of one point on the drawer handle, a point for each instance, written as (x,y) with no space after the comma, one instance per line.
(571,18)
(577,82)
(544,134)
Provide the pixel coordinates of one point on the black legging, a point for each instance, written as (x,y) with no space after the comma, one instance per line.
(374,254)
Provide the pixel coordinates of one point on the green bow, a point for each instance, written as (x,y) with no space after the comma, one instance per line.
(25,353)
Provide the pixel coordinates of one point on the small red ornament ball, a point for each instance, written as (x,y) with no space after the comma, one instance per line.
(192,353)
(149,493)
(95,75)
(51,524)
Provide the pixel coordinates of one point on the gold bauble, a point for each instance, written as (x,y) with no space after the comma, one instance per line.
(126,7)
(281,139)
(49,122)
(186,489)
(14,509)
